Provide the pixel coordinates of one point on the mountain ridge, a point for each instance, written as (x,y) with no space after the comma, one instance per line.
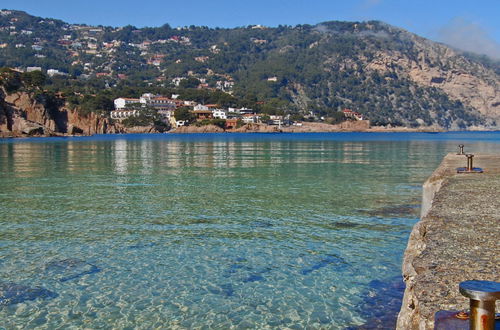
(388,74)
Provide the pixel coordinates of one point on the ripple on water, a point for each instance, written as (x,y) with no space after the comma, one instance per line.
(266,231)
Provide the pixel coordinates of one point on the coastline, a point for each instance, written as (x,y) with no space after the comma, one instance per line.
(254,128)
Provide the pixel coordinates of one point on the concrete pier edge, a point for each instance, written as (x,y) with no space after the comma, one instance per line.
(456,239)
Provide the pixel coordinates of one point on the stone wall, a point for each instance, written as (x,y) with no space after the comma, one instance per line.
(457,239)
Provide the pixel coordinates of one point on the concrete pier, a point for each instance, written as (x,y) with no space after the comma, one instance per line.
(456,239)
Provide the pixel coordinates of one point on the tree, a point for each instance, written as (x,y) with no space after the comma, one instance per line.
(34,78)
(189,83)
(183,113)
(102,102)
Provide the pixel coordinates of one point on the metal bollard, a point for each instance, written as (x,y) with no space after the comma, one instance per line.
(469,162)
(460,149)
(482,295)
(470,168)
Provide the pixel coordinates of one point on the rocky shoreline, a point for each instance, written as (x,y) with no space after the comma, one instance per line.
(22,116)
(34,131)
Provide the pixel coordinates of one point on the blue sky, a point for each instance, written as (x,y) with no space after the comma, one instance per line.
(470,25)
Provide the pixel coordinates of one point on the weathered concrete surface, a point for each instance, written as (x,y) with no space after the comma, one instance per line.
(457,239)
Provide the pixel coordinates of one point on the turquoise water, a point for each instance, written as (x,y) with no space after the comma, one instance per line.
(211,231)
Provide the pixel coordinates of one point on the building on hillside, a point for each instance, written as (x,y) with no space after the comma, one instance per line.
(123,114)
(275,120)
(352,114)
(123,102)
(157,102)
(177,80)
(203,114)
(54,72)
(33,68)
(245,111)
(200,107)
(220,113)
(224,85)
(231,123)
(250,118)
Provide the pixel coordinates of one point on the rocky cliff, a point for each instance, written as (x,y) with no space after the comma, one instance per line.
(437,65)
(21,114)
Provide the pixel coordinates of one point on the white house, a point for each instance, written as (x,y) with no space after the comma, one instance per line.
(123,102)
(245,111)
(33,68)
(220,113)
(201,107)
(177,80)
(157,102)
(250,118)
(54,72)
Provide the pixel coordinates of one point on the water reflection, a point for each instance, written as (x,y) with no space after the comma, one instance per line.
(272,232)
(120,155)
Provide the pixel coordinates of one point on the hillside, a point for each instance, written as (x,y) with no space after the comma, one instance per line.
(388,74)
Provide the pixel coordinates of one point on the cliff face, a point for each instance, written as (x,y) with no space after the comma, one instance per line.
(436,65)
(22,115)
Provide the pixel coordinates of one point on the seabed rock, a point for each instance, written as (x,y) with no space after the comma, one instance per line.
(13,293)
(69,269)
(323,262)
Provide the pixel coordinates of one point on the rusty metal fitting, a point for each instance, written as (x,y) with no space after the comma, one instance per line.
(460,149)
(470,168)
(462,315)
(482,295)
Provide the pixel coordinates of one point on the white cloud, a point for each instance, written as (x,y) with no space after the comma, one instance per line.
(469,36)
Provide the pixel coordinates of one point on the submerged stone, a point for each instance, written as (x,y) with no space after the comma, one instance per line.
(387,293)
(262,224)
(246,273)
(69,269)
(141,246)
(326,261)
(12,293)
(394,211)
(253,278)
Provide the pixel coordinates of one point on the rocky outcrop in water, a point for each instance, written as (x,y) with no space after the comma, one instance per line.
(199,129)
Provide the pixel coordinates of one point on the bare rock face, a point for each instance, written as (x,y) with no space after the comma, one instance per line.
(199,129)
(463,80)
(92,123)
(26,114)
(138,129)
(247,128)
(22,115)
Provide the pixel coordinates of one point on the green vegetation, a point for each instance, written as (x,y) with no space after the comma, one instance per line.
(217,122)
(276,71)
(146,117)
(183,113)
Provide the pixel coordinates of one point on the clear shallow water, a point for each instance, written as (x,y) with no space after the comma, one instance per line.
(214,231)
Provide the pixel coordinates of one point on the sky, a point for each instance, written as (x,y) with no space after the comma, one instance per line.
(465,24)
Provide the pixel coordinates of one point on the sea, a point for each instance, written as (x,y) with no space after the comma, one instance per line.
(212,231)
